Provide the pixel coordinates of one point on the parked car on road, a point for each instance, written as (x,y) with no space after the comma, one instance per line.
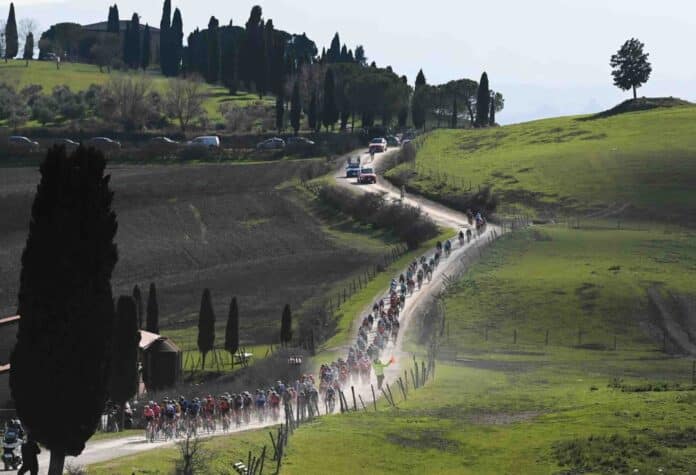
(378,145)
(274,143)
(393,141)
(209,141)
(298,142)
(104,144)
(367,176)
(162,144)
(21,144)
(70,145)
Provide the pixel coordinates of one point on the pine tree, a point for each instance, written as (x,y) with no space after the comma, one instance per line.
(206,326)
(123,383)
(65,300)
(138,299)
(313,112)
(29,48)
(145,56)
(296,108)
(280,113)
(286,326)
(165,52)
(176,44)
(482,102)
(152,311)
(330,110)
(213,73)
(631,68)
(11,37)
(232,329)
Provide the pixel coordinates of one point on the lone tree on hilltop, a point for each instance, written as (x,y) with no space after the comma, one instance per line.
(11,35)
(152,311)
(232,329)
(296,108)
(124,356)
(631,68)
(64,338)
(138,299)
(206,326)
(286,326)
(483,99)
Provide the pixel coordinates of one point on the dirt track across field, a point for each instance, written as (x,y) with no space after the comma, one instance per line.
(451,266)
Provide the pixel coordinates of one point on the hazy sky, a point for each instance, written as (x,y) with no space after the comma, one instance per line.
(548,57)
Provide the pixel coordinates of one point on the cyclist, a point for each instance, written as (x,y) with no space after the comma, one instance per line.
(149,416)
(224,406)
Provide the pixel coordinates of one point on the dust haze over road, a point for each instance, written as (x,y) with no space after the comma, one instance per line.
(101,451)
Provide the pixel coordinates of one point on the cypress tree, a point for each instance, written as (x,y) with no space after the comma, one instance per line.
(330,110)
(145,56)
(176,43)
(482,102)
(232,329)
(229,63)
(65,301)
(286,326)
(11,37)
(213,73)
(123,383)
(312,114)
(491,115)
(344,58)
(115,20)
(455,113)
(418,103)
(280,112)
(206,326)
(165,51)
(295,108)
(138,299)
(29,48)
(420,79)
(127,45)
(134,42)
(152,311)
(110,20)
(333,55)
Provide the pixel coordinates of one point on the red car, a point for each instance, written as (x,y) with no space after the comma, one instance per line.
(367,176)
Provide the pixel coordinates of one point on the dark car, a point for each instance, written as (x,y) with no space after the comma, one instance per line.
(70,145)
(393,141)
(271,144)
(162,144)
(20,144)
(104,144)
(299,142)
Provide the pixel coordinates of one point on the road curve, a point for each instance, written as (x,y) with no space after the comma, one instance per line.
(101,451)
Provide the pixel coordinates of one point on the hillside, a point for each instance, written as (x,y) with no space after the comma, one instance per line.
(80,76)
(638,164)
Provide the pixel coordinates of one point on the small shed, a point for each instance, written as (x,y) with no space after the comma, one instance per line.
(161,360)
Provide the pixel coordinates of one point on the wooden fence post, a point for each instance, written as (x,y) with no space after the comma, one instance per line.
(374,400)
(355,405)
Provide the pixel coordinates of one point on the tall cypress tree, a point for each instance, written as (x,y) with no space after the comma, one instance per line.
(313,112)
(330,110)
(29,48)
(232,329)
(65,301)
(145,56)
(206,326)
(110,20)
(229,61)
(11,37)
(286,326)
(280,113)
(138,299)
(213,73)
(295,108)
(420,79)
(133,40)
(491,115)
(483,102)
(418,103)
(176,42)
(165,49)
(114,20)
(123,383)
(152,311)
(333,55)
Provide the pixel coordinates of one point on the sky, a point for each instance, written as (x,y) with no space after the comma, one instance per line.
(547,57)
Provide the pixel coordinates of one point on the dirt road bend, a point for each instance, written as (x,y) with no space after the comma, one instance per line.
(461,255)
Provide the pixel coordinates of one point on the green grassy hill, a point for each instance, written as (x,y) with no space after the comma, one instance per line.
(639,164)
(80,76)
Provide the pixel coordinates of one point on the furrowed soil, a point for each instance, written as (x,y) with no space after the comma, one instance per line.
(232,229)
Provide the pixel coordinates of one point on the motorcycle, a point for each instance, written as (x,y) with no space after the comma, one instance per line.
(10,443)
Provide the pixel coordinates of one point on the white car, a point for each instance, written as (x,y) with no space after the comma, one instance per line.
(378,145)
(207,141)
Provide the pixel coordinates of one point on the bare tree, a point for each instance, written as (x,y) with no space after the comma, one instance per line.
(193,458)
(2,38)
(26,26)
(126,100)
(184,101)
(105,50)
